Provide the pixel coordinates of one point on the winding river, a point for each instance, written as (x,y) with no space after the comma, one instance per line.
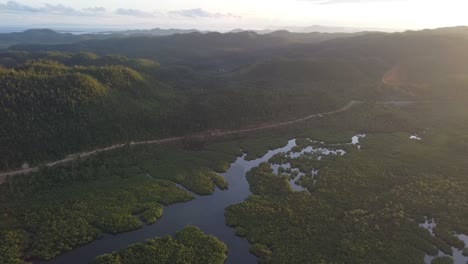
(205,212)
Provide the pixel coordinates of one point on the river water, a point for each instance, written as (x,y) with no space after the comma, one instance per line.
(205,212)
(457,255)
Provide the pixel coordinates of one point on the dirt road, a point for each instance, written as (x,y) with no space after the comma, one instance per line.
(74,157)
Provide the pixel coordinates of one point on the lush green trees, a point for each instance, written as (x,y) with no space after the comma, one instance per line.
(366,206)
(45,107)
(442,260)
(78,101)
(59,220)
(190,245)
(64,207)
(12,245)
(92,95)
(152,214)
(54,104)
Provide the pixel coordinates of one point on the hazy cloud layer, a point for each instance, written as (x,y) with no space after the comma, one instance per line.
(13,6)
(133,12)
(95,9)
(59,9)
(17,7)
(200,13)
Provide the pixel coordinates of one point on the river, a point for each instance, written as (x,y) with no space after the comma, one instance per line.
(205,212)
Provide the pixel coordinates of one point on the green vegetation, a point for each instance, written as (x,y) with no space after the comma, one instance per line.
(45,36)
(99,93)
(219,181)
(152,214)
(48,109)
(12,244)
(255,147)
(442,260)
(190,245)
(262,252)
(365,206)
(331,223)
(65,207)
(103,100)
(192,169)
(16,58)
(61,219)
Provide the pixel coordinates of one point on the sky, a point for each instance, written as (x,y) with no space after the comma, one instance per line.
(231,14)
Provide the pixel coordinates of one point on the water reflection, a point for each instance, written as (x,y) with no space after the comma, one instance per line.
(205,212)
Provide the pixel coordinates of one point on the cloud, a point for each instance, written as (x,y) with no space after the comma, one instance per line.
(15,7)
(133,12)
(60,9)
(200,13)
(96,9)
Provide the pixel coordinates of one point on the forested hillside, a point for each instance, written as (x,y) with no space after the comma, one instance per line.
(49,109)
(368,205)
(51,37)
(211,52)
(60,99)
(55,104)
(46,36)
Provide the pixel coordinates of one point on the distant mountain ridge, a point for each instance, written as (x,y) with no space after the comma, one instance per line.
(51,37)
(153,32)
(45,37)
(210,52)
(153,86)
(221,52)
(313,29)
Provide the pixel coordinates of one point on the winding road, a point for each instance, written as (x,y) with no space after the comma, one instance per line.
(70,158)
